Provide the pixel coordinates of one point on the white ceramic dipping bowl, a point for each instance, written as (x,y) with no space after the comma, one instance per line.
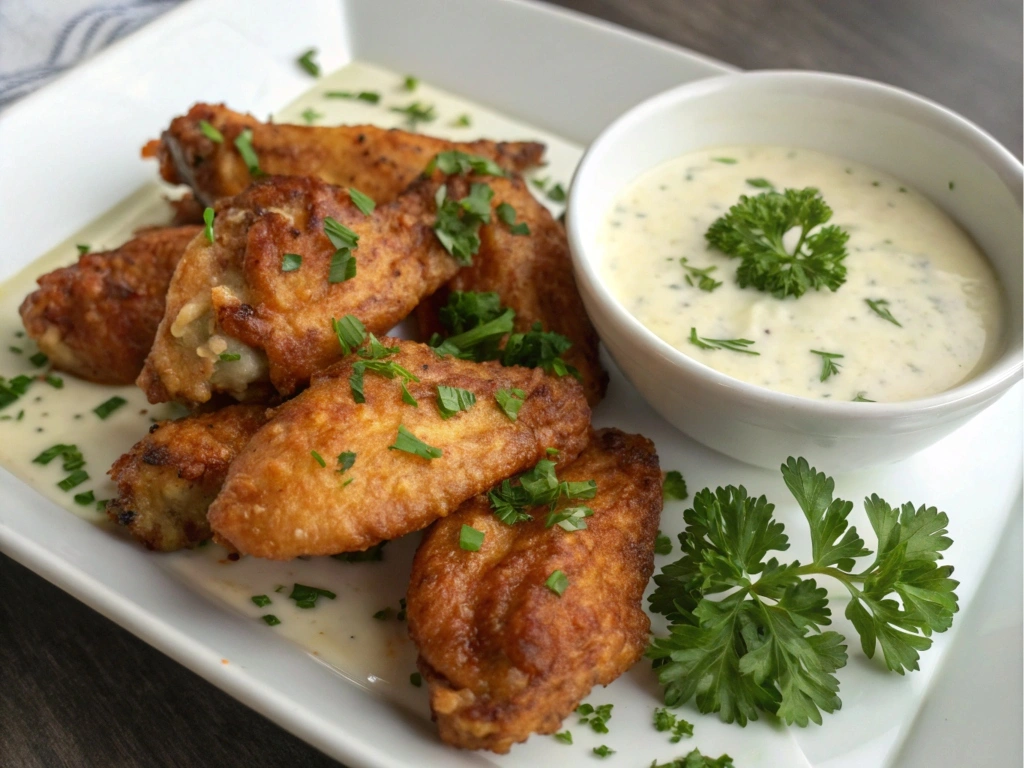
(915,140)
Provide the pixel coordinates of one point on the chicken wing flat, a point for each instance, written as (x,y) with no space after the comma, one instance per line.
(97,318)
(378,162)
(167,481)
(280,502)
(503,655)
(533,275)
(242,313)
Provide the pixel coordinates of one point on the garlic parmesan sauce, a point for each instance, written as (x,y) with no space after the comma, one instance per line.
(904,255)
(343,632)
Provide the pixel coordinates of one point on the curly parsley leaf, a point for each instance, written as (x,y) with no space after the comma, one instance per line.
(674,486)
(694,759)
(754,229)
(762,646)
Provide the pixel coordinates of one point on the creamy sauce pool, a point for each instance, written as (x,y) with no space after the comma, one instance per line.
(902,250)
(376,653)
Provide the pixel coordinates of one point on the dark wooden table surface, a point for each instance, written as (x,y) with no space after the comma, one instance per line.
(76,690)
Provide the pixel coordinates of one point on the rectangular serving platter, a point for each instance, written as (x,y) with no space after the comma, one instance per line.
(568,75)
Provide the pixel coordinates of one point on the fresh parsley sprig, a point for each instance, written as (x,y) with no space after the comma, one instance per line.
(762,647)
(754,228)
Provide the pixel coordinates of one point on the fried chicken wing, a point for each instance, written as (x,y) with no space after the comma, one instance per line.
(503,655)
(166,482)
(533,275)
(279,502)
(234,297)
(96,319)
(376,161)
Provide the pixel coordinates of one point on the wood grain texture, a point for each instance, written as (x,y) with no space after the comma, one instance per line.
(76,690)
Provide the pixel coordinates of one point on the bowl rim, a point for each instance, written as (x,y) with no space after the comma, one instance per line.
(1007,368)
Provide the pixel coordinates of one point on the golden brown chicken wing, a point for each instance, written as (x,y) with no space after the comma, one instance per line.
(166,482)
(503,655)
(97,318)
(531,274)
(378,162)
(328,474)
(255,306)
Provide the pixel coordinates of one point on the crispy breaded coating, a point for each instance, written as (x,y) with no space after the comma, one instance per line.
(502,654)
(233,296)
(378,162)
(533,275)
(279,502)
(166,482)
(96,319)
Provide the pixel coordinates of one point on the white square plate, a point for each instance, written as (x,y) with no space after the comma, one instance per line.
(69,153)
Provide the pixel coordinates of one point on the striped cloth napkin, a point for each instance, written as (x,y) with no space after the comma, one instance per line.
(39,39)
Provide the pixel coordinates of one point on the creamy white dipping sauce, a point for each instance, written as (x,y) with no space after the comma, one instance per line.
(902,249)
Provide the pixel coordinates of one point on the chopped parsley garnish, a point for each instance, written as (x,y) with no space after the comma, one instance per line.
(557,582)
(230,357)
(85,499)
(370,97)
(666,721)
(556,194)
(694,759)
(11,390)
(208,215)
(674,486)
(310,115)
(507,215)
(603,751)
(54,381)
(211,132)
(271,620)
(416,679)
(407,397)
(829,366)
(318,458)
(290,262)
(346,460)
(470,539)
(83,249)
(306,61)
(69,453)
(416,113)
(569,518)
(76,478)
(260,600)
(860,398)
(662,544)
(761,647)
(383,614)
(103,410)
(340,235)
(409,443)
(373,554)
(564,736)
(454,161)
(700,276)
(38,360)
(480,342)
(538,349)
(725,160)
(243,143)
(510,401)
(462,121)
(343,266)
(760,183)
(537,487)
(753,231)
(596,717)
(881,308)
(451,400)
(401,609)
(386,368)
(735,345)
(458,221)
(350,332)
(410,83)
(306,597)
(361,201)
